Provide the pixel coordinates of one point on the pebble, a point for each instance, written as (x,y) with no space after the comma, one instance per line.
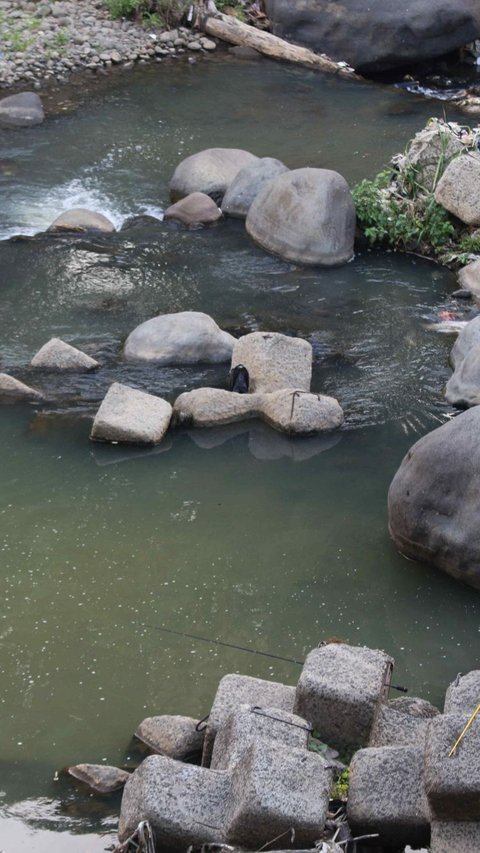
(58,38)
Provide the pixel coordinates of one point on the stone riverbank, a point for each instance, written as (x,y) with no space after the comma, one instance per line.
(48,41)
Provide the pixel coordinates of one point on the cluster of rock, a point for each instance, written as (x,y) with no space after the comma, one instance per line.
(50,40)
(258,780)
(279,370)
(375,35)
(306,216)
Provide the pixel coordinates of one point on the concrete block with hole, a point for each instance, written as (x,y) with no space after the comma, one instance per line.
(249,725)
(386,795)
(452,782)
(340,691)
(463,695)
(236,690)
(276,790)
(455,836)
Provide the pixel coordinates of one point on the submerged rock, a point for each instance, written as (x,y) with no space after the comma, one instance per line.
(188,337)
(434,499)
(194,210)
(57,355)
(80,219)
(247,184)
(11,388)
(210,171)
(129,416)
(374,35)
(100,777)
(174,736)
(22,110)
(306,216)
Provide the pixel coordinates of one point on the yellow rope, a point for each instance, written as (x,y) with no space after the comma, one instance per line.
(476,711)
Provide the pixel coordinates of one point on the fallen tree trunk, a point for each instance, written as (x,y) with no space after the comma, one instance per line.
(231,30)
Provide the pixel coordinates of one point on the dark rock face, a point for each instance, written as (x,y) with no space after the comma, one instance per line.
(434,499)
(375,35)
(23,110)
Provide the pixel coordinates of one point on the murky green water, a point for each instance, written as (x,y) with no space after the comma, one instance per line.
(241,534)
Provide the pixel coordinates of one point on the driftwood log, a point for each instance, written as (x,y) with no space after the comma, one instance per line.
(227,28)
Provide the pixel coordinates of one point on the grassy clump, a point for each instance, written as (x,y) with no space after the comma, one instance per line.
(163,13)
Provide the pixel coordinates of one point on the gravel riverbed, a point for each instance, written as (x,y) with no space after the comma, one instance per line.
(47,41)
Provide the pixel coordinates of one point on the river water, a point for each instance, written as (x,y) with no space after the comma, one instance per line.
(239,535)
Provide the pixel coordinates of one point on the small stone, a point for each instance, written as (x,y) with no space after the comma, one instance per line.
(80,219)
(174,736)
(57,355)
(194,45)
(208,44)
(100,777)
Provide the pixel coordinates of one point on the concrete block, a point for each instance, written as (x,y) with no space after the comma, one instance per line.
(340,690)
(455,837)
(452,783)
(184,803)
(463,695)
(249,725)
(274,791)
(395,728)
(236,690)
(386,795)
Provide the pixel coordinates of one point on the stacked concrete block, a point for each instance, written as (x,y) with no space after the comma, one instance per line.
(235,690)
(340,691)
(387,796)
(463,695)
(455,837)
(452,782)
(277,790)
(251,724)
(184,803)
(396,728)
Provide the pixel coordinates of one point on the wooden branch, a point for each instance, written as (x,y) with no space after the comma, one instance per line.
(231,30)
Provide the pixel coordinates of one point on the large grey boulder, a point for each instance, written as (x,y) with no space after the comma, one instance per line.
(463,387)
(247,184)
(468,340)
(172,735)
(194,210)
(13,389)
(432,146)
(188,337)
(374,35)
(22,110)
(458,190)
(469,279)
(129,416)
(80,219)
(274,361)
(434,499)
(57,355)
(306,216)
(210,171)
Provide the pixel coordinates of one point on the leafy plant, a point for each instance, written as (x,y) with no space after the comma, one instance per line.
(340,787)
(153,12)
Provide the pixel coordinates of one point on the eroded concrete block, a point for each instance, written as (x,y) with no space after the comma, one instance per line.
(184,803)
(275,790)
(236,690)
(129,416)
(171,735)
(274,361)
(455,837)
(250,724)
(452,783)
(340,690)
(386,795)
(463,695)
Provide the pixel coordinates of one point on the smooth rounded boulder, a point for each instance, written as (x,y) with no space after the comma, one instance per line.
(210,171)
(194,210)
(22,110)
(188,337)
(434,499)
(306,216)
(80,219)
(247,184)
(375,35)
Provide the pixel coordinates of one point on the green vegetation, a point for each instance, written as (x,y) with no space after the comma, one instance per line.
(340,787)
(161,13)
(395,209)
